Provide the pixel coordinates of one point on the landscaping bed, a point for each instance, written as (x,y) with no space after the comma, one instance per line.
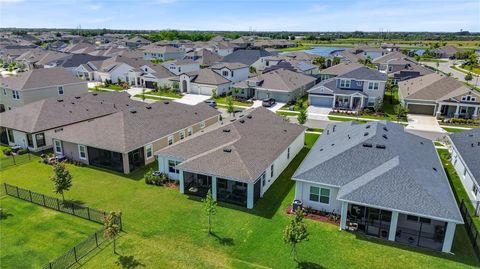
(459,122)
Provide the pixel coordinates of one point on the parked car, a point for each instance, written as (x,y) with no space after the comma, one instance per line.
(269,102)
(211,103)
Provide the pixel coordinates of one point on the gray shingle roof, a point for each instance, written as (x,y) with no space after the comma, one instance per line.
(406,175)
(247,57)
(284,80)
(254,145)
(340,69)
(134,127)
(39,78)
(365,73)
(467,144)
(331,84)
(210,77)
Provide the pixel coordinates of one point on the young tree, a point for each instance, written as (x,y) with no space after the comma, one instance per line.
(319,61)
(302,116)
(252,70)
(61,178)
(400,112)
(295,233)
(214,94)
(230,107)
(210,208)
(112,227)
(378,106)
(468,77)
(336,60)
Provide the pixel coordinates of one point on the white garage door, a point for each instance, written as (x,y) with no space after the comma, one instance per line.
(205,91)
(321,101)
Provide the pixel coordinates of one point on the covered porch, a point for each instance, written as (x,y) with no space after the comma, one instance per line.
(458,110)
(348,102)
(223,190)
(395,226)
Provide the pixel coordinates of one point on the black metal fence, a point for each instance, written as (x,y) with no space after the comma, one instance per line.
(83,248)
(472,230)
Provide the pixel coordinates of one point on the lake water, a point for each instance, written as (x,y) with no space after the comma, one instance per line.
(322,51)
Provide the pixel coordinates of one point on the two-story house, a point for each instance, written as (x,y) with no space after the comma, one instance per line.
(354,90)
(178,67)
(154,51)
(38,84)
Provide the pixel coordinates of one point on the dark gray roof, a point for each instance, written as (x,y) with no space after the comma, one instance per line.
(467,144)
(254,143)
(78,59)
(52,113)
(331,84)
(247,57)
(365,73)
(406,175)
(137,126)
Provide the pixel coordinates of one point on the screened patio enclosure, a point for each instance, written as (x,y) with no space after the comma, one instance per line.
(105,159)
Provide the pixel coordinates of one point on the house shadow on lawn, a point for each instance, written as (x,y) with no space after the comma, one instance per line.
(309,265)
(458,255)
(136,175)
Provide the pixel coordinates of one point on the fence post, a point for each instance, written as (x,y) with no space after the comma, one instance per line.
(44,203)
(73,208)
(30,192)
(96,239)
(18,195)
(6,190)
(50,265)
(477,209)
(58,204)
(75,253)
(88,214)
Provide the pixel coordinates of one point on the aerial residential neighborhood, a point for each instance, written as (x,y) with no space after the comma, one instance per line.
(206,134)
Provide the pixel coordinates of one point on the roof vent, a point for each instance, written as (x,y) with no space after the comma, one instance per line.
(232,120)
(321,149)
(242,121)
(385,129)
(334,126)
(72,103)
(94,94)
(166,102)
(473,145)
(365,134)
(348,136)
(434,169)
(367,145)
(127,105)
(249,116)
(380,146)
(133,111)
(333,144)
(367,127)
(421,142)
(471,135)
(226,130)
(148,107)
(60,100)
(77,97)
(385,136)
(227,150)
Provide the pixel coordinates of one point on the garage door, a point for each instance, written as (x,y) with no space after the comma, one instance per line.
(321,101)
(421,109)
(205,91)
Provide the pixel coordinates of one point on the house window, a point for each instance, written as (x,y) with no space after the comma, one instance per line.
(264,181)
(149,150)
(320,195)
(475,190)
(4,92)
(58,146)
(82,152)
(189,131)
(30,140)
(40,139)
(288,153)
(345,83)
(60,90)
(171,167)
(170,140)
(418,219)
(225,73)
(202,125)
(16,95)
(11,138)
(464,172)
(271,171)
(373,85)
(182,135)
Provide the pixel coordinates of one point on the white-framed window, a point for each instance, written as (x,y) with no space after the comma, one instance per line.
(202,125)
(271,170)
(82,152)
(149,150)
(189,131)
(4,91)
(345,83)
(418,219)
(171,167)
(57,146)
(264,179)
(60,90)
(182,135)
(464,172)
(475,190)
(373,85)
(15,95)
(225,73)
(320,195)
(170,140)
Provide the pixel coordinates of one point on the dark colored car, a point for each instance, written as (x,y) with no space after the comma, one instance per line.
(269,102)
(211,103)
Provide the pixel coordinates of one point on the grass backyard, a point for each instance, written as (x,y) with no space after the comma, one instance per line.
(299,47)
(169,94)
(165,229)
(223,101)
(10,161)
(32,236)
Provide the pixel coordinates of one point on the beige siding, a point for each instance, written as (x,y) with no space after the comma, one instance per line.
(70,150)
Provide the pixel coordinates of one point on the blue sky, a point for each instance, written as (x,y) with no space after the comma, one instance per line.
(260,15)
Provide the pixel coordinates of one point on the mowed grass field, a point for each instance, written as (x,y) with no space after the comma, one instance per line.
(31,235)
(166,229)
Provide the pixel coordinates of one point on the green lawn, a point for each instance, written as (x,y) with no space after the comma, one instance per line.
(299,47)
(151,97)
(113,87)
(166,229)
(9,161)
(320,130)
(333,118)
(223,101)
(296,107)
(452,130)
(456,184)
(290,114)
(96,90)
(475,69)
(32,236)
(432,60)
(170,94)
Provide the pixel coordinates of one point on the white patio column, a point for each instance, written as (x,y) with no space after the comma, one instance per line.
(343,216)
(214,188)
(439,110)
(160,163)
(350,103)
(298,190)
(449,235)
(457,112)
(181,182)
(393,226)
(250,195)
(334,98)
(475,112)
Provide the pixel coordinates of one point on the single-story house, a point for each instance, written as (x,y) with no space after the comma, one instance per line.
(127,139)
(465,148)
(238,161)
(383,182)
(440,95)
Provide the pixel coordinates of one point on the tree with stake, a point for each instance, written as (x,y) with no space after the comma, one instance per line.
(302,116)
(230,107)
(112,227)
(210,208)
(468,77)
(295,233)
(61,178)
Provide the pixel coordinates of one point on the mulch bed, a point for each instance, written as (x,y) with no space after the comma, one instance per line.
(315,217)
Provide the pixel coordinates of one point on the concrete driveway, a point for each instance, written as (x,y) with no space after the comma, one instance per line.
(318,113)
(277,106)
(192,99)
(423,123)
(445,67)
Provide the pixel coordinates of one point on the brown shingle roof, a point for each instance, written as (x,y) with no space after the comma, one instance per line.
(39,78)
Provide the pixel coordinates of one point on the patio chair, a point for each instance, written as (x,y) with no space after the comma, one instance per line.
(353,226)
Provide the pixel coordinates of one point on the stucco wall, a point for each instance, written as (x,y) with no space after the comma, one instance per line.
(302,193)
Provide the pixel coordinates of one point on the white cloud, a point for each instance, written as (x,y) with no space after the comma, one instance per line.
(94,7)
(10,1)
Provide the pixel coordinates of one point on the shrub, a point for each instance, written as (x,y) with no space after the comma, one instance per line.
(152,179)
(22,151)
(7,151)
